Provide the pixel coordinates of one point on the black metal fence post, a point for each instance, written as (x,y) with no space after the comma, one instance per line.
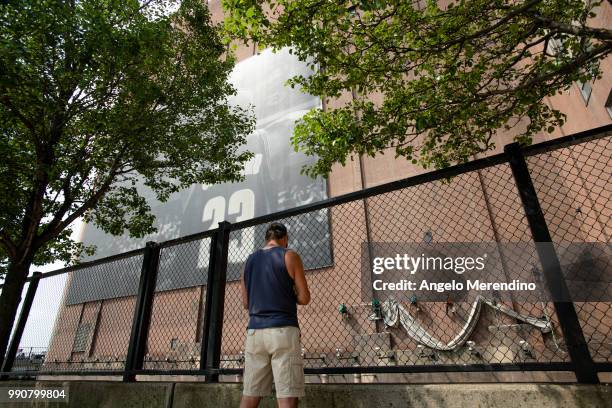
(11,352)
(584,366)
(207,301)
(137,347)
(210,357)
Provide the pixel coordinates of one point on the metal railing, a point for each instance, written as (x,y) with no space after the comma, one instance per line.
(174,307)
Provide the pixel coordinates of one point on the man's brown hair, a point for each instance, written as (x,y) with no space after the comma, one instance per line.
(276,231)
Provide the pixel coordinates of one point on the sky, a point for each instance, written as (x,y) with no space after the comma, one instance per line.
(45,307)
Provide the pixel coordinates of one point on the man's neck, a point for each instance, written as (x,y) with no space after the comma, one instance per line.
(271,244)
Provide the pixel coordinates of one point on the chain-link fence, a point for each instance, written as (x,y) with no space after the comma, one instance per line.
(176,307)
(573,185)
(80,319)
(174,337)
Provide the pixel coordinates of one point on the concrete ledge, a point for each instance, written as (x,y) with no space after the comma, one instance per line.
(90,394)
(116,394)
(407,395)
(93,394)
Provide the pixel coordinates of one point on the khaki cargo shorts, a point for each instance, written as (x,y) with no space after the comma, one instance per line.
(273,352)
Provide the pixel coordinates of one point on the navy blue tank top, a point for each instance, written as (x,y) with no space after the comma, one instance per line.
(272,299)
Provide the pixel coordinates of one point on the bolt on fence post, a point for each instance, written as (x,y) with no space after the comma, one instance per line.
(13,347)
(142,311)
(210,357)
(584,367)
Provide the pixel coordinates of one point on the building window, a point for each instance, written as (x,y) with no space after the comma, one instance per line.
(81,337)
(556,47)
(585,90)
(609,103)
(173,344)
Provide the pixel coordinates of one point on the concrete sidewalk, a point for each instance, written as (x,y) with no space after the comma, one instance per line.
(90,394)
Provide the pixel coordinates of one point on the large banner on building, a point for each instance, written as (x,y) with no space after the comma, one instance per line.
(272,183)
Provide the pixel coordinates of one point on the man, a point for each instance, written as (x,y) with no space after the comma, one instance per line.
(272,284)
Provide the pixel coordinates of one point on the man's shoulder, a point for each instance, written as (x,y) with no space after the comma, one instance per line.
(254,253)
(251,256)
(291,253)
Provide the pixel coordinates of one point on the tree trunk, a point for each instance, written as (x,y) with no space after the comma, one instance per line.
(9,301)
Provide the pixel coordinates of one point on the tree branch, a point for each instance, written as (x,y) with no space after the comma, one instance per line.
(52,230)
(564,69)
(6,101)
(7,243)
(579,31)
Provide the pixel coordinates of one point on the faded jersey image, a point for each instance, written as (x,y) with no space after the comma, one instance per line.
(272,183)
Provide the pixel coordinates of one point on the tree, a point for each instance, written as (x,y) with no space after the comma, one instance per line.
(95,95)
(447,74)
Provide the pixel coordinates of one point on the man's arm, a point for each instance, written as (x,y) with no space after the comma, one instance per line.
(296,271)
(245,295)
